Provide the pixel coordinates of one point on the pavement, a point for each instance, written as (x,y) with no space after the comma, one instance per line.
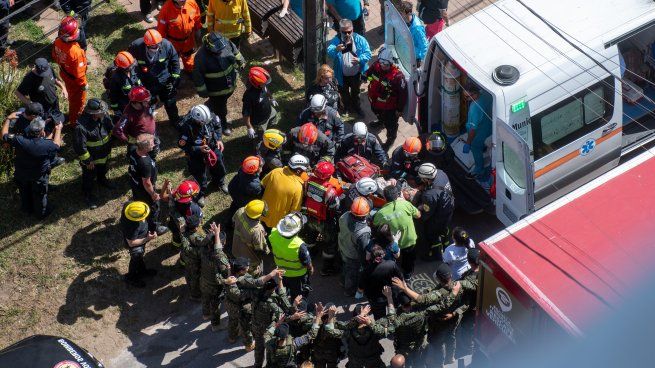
(185,340)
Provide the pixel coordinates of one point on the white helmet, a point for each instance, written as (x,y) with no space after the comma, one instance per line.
(427,171)
(291,224)
(366,186)
(298,162)
(386,54)
(360,130)
(317,103)
(201,113)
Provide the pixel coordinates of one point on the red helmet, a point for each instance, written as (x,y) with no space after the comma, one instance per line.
(251,164)
(308,133)
(324,170)
(69,28)
(412,146)
(186,191)
(139,94)
(258,76)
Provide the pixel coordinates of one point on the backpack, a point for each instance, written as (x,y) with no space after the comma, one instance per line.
(106,78)
(355,167)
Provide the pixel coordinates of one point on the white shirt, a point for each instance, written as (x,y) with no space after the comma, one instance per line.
(456,257)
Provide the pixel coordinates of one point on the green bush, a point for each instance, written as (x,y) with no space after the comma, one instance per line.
(10,77)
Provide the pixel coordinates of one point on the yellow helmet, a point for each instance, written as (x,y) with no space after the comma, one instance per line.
(256,208)
(274,138)
(137,211)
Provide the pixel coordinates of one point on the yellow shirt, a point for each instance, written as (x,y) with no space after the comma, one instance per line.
(283,193)
(231,18)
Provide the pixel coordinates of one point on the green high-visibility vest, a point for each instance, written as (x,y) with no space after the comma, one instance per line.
(285,254)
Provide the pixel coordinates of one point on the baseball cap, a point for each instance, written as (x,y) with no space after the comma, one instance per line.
(443,272)
(41,67)
(34,108)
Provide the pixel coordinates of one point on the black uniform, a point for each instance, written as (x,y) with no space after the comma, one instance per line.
(192,137)
(32,170)
(437,204)
(371,150)
(404,166)
(133,230)
(258,104)
(159,73)
(330,91)
(143,167)
(243,188)
(331,125)
(93,144)
(322,148)
(44,91)
(81,9)
(373,279)
(120,85)
(21,124)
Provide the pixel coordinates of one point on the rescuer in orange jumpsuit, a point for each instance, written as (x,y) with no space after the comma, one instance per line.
(179,22)
(72,65)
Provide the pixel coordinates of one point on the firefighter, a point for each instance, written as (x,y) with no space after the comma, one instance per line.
(283,190)
(231,18)
(92,145)
(215,74)
(326,119)
(137,119)
(322,201)
(361,142)
(436,203)
(121,81)
(180,23)
(202,143)
(364,187)
(270,150)
(245,185)
(80,10)
(405,159)
(258,104)
(136,235)
(310,142)
(181,206)
(387,93)
(159,69)
(71,58)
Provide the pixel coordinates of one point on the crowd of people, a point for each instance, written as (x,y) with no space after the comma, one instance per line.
(310,193)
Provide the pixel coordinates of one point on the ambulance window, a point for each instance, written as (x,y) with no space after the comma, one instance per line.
(572,118)
(514,166)
(403,51)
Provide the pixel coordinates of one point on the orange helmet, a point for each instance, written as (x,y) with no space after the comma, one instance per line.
(324,170)
(258,76)
(412,146)
(152,37)
(69,28)
(186,191)
(124,60)
(251,164)
(308,133)
(139,94)
(360,207)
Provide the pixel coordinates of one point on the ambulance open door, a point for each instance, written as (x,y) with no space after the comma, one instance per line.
(398,38)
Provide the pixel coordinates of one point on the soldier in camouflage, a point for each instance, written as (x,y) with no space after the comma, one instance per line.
(410,333)
(299,324)
(326,349)
(281,348)
(214,270)
(190,255)
(465,343)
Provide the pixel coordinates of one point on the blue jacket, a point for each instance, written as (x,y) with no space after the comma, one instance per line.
(363,54)
(417,29)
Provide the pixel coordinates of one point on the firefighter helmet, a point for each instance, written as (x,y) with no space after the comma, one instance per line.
(256,209)
(360,130)
(214,42)
(69,28)
(124,60)
(308,134)
(318,103)
(427,171)
(366,186)
(324,170)
(435,144)
(258,76)
(386,55)
(274,139)
(95,106)
(152,37)
(139,94)
(360,207)
(298,162)
(412,146)
(291,224)
(136,211)
(251,165)
(186,191)
(201,114)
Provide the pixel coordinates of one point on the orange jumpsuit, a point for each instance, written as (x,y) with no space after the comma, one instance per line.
(179,25)
(72,65)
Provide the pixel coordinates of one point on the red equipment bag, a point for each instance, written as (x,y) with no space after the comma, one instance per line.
(355,167)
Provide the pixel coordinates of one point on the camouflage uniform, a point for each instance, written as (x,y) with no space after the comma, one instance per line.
(238,299)
(326,349)
(363,344)
(285,356)
(266,310)
(214,269)
(410,337)
(190,257)
(465,344)
(298,328)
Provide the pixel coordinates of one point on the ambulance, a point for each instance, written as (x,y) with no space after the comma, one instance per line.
(572,83)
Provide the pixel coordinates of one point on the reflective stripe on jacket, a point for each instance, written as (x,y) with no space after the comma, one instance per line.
(286,254)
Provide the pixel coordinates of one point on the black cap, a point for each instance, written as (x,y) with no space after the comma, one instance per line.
(34,108)
(240,264)
(473,256)
(41,67)
(443,273)
(282,331)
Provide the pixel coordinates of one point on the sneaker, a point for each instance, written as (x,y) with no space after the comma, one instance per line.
(202,201)
(91,202)
(227,132)
(161,230)
(137,283)
(149,18)
(149,272)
